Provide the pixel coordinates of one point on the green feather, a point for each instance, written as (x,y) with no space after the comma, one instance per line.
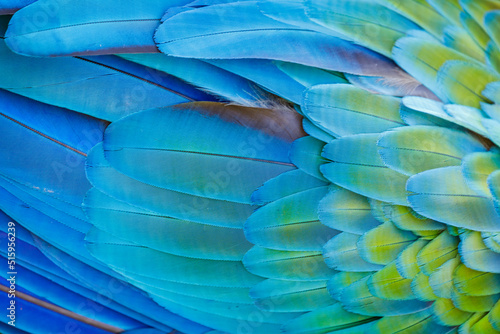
(448,8)
(473,303)
(291,296)
(333,318)
(422,59)
(387,283)
(433,255)
(383,244)
(406,262)
(441,280)
(346,211)
(357,298)
(475,30)
(447,314)
(407,219)
(414,149)
(306,154)
(477,167)
(357,167)
(342,253)
(476,255)
(347,110)
(462,82)
(290,223)
(475,283)
(355,18)
(418,322)
(420,12)
(300,266)
(421,288)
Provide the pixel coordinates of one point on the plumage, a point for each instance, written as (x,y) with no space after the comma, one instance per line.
(221,166)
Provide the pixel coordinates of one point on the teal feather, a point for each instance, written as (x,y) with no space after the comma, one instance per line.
(290,218)
(306,155)
(226,84)
(222,323)
(346,110)
(227,170)
(293,12)
(415,149)
(446,187)
(105,199)
(346,211)
(477,167)
(285,184)
(291,296)
(215,218)
(121,27)
(183,36)
(333,318)
(159,264)
(342,253)
(287,265)
(316,132)
(231,310)
(476,255)
(265,73)
(356,166)
(354,19)
(338,282)
(158,287)
(358,299)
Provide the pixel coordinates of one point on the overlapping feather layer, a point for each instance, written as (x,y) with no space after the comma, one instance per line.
(385,218)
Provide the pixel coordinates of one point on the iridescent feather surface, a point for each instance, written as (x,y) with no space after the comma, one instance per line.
(220,166)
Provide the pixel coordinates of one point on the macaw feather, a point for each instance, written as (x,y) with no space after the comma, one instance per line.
(287,265)
(414,149)
(354,164)
(346,211)
(346,110)
(342,253)
(291,296)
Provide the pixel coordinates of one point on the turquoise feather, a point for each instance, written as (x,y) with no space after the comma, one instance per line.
(178,38)
(353,18)
(343,110)
(346,211)
(80,21)
(103,200)
(291,296)
(415,149)
(306,155)
(290,219)
(286,184)
(229,168)
(342,253)
(447,186)
(224,217)
(354,164)
(476,255)
(287,265)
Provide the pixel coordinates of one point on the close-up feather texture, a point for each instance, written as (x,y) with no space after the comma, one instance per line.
(274,166)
